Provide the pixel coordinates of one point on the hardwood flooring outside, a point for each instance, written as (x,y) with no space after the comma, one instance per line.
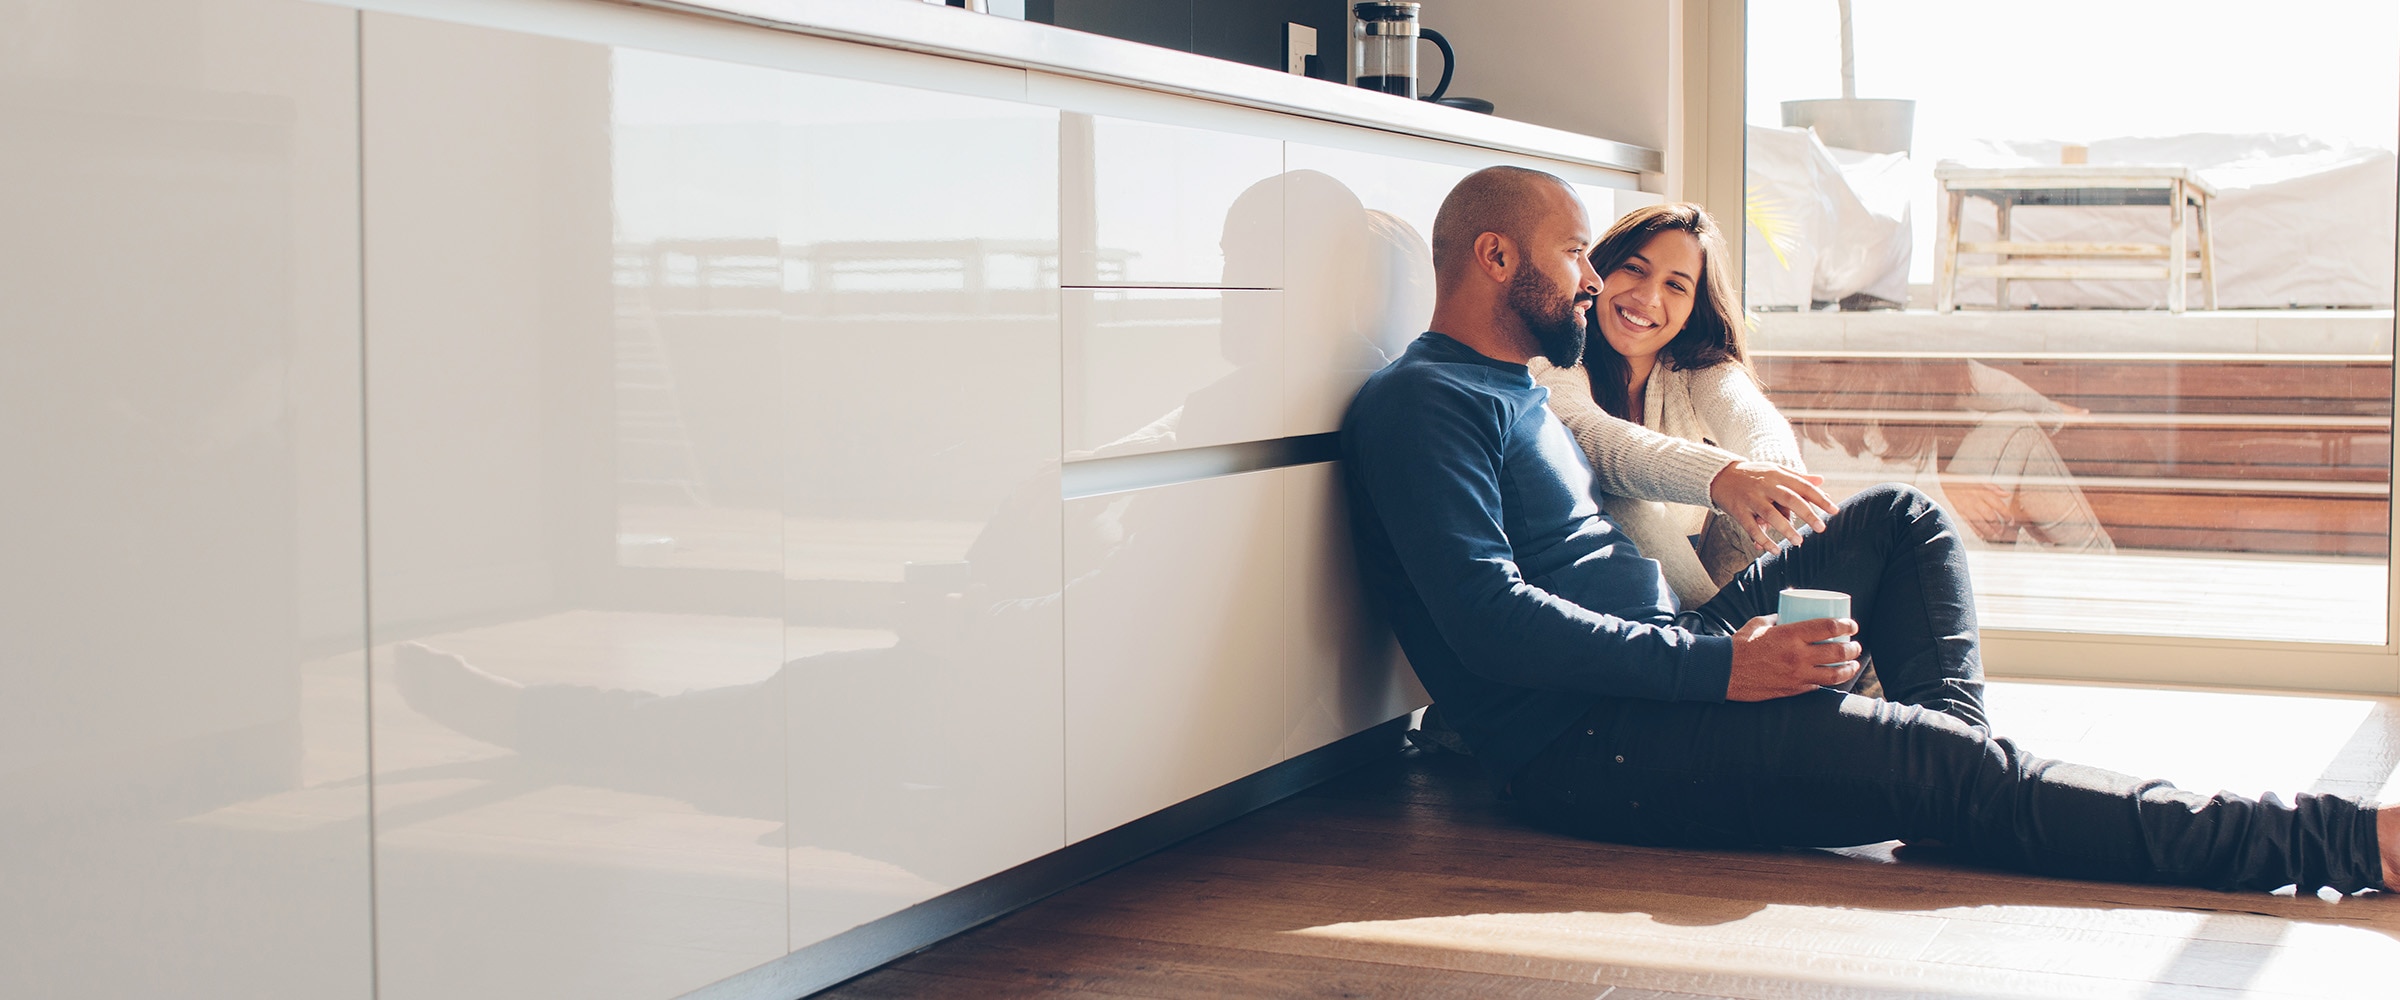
(1407,878)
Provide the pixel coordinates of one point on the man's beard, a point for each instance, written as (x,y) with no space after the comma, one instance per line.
(1554,317)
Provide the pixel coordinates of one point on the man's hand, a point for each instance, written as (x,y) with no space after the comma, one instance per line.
(1768,501)
(1778,661)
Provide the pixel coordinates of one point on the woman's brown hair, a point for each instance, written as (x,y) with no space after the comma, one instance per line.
(1711,336)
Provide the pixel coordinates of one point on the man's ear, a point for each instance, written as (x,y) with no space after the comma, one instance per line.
(1496,256)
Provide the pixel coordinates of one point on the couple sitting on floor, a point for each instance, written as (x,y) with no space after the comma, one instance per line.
(1625,683)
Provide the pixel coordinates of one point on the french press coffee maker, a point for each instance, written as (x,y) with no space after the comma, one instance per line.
(1383,49)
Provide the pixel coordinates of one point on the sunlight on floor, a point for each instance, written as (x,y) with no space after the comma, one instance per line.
(2182,594)
(1981,950)
(2243,742)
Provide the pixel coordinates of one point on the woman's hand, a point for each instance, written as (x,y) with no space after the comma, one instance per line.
(1769,501)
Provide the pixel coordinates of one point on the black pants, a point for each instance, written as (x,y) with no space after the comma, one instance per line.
(1828,769)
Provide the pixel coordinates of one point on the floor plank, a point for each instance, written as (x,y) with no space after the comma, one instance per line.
(1409,878)
(1032,955)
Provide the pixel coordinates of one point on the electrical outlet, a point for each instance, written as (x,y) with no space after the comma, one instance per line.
(1299,46)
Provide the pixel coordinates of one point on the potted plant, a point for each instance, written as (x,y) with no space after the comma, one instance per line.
(1873,125)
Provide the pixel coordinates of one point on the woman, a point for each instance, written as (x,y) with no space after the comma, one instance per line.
(1666,355)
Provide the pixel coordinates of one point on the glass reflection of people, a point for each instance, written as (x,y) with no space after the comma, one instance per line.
(1995,466)
(1665,405)
(1360,286)
(1376,274)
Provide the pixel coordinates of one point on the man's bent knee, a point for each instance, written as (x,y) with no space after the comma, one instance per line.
(1900,504)
(1899,498)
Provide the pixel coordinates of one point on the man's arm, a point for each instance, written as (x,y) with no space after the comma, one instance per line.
(1433,475)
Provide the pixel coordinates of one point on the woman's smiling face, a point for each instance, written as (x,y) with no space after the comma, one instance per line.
(1645,300)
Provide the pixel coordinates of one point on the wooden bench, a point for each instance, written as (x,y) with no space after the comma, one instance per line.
(2178,188)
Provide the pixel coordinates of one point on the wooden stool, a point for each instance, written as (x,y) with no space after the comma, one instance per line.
(2180,189)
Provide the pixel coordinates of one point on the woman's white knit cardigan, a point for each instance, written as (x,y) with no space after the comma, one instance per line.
(1654,476)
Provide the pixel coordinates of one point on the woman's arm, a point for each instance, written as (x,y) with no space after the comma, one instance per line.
(1729,401)
(1628,459)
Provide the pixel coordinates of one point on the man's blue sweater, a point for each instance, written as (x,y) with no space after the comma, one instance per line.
(1518,602)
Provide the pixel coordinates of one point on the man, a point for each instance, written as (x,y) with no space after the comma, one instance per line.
(1558,653)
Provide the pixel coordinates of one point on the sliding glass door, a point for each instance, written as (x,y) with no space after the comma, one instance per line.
(2120,303)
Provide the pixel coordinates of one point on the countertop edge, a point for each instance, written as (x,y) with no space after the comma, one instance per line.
(960,34)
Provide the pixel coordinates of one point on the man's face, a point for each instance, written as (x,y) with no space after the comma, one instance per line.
(1554,285)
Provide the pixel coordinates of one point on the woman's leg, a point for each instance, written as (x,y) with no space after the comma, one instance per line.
(2014,454)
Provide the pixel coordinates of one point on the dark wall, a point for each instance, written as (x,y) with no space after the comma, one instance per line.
(1249,31)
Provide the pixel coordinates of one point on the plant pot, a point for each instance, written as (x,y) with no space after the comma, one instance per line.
(1871,125)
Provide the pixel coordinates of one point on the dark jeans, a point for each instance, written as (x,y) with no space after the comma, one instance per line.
(1828,769)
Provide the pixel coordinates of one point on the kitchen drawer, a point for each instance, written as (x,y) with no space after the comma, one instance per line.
(1159,205)
(1160,369)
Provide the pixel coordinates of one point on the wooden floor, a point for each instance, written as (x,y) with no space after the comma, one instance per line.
(1407,879)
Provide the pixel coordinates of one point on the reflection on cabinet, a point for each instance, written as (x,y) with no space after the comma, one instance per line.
(759,488)
(1158,369)
(182,693)
(1346,670)
(1179,624)
(1155,204)
(921,496)
(1214,627)
(1361,274)
(577,762)
(1384,176)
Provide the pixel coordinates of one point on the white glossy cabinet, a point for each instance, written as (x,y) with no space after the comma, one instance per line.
(1179,623)
(1357,227)
(684,407)
(1346,673)
(1359,221)
(182,695)
(1152,204)
(572,422)
(1214,627)
(716,496)
(1404,179)
(921,421)
(1151,370)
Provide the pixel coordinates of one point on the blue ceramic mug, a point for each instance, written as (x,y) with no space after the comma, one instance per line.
(1809,605)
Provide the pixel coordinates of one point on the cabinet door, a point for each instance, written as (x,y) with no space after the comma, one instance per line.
(1361,279)
(1179,623)
(1148,203)
(1159,369)
(1347,673)
(182,692)
(921,421)
(576,530)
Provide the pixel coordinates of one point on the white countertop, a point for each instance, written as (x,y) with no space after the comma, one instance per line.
(961,34)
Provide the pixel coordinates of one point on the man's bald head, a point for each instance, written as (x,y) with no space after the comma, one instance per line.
(1510,201)
(1513,279)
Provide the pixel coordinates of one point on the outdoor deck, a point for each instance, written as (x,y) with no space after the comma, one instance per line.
(2233,459)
